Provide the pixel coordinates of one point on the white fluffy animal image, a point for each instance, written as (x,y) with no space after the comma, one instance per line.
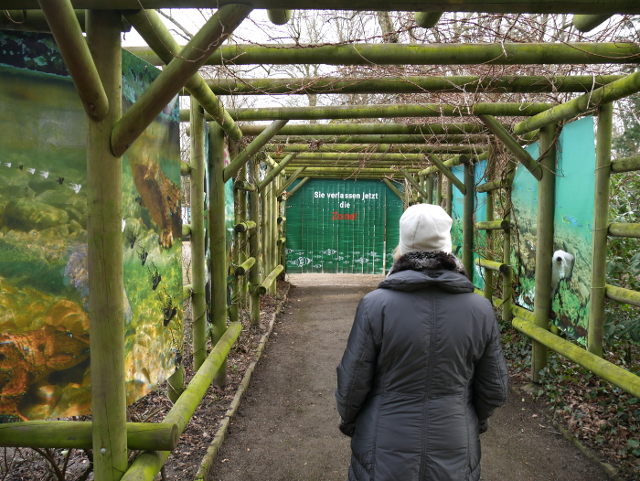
(561,268)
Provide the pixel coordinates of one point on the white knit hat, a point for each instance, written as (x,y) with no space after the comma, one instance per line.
(425,227)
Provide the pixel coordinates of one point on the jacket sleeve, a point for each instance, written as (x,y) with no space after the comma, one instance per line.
(490,378)
(356,370)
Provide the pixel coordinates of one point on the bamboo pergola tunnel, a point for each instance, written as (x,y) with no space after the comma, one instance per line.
(111,167)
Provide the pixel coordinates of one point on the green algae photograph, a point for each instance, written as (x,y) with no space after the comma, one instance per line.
(573,225)
(44,350)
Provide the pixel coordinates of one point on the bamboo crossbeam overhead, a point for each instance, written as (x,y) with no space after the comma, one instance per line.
(451,84)
(451,162)
(624,87)
(407,175)
(496,6)
(174,76)
(378,148)
(348,128)
(290,180)
(67,32)
(77,435)
(276,170)
(369,170)
(381,139)
(449,174)
(358,156)
(298,186)
(586,23)
(279,16)
(31,20)
(253,148)
(153,30)
(390,111)
(393,188)
(427,19)
(411,54)
(354,164)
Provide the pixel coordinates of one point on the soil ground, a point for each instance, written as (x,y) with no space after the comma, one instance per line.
(286,428)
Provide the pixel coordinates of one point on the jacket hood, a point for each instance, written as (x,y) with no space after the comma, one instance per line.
(418,270)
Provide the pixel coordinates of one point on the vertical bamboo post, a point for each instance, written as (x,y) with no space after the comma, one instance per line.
(244,242)
(237,253)
(448,201)
(467,217)
(507,278)
(255,248)
(104,238)
(488,274)
(438,192)
(600,227)
(544,250)
(217,239)
(198,261)
(274,234)
(429,189)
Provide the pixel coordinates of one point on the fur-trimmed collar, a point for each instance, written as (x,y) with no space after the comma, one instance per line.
(428,261)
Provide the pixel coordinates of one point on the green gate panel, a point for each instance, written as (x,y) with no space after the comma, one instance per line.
(342,226)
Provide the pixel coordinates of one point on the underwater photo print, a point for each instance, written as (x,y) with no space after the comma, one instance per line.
(44,325)
(573,218)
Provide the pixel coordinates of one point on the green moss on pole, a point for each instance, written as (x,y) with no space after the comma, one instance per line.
(624,229)
(290,180)
(444,169)
(424,139)
(349,128)
(255,246)
(586,23)
(595,334)
(245,267)
(105,259)
(276,170)
(627,164)
(620,294)
(153,30)
(377,148)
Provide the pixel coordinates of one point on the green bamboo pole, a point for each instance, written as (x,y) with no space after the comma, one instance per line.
(198,261)
(105,259)
(438,192)
(175,75)
(244,226)
(427,19)
(435,139)
(620,294)
(290,180)
(377,148)
(412,182)
(31,20)
(444,169)
(279,16)
(586,23)
(493,266)
(245,267)
(67,32)
(450,162)
(391,111)
(512,145)
(243,239)
(253,148)
(429,188)
(448,204)
(408,84)
(263,287)
(236,252)
(154,32)
(544,246)
(507,277)
(490,225)
(275,235)
(297,187)
(600,230)
(490,186)
(148,465)
(411,54)
(276,170)
(489,214)
(393,188)
(624,87)
(255,247)
(77,435)
(217,240)
(357,156)
(349,128)
(627,164)
(620,229)
(618,376)
(467,218)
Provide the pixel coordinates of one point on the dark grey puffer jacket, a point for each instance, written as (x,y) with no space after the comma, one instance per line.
(422,366)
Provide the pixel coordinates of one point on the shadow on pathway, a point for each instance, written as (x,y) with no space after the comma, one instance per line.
(286,428)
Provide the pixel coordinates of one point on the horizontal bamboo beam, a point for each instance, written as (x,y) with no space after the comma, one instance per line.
(427,19)
(263,287)
(153,30)
(294,175)
(450,84)
(244,185)
(297,187)
(412,54)
(390,111)
(618,376)
(586,23)
(77,435)
(174,76)
(624,229)
(148,464)
(269,161)
(31,20)
(451,162)
(500,267)
(253,148)
(364,156)
(67,32)
(439,139)
(373,170)
(377,148)
(279,16)
(490,186)
(512,145)
(245,226)
(442,167)
(276,170)
(624,87)
(620,294)
(348,128)
(245,267)
(499,224)
(627,164)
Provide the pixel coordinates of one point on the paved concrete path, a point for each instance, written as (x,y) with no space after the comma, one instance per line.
(286,428)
